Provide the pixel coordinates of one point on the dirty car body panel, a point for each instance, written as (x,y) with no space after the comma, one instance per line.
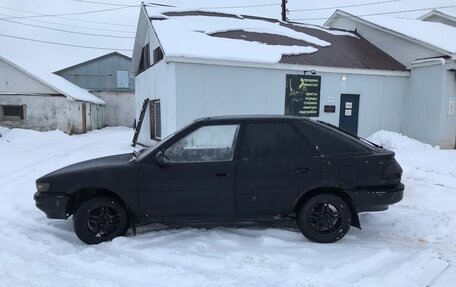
(232,169)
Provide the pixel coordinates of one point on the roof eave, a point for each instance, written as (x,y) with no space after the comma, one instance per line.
(373,25)
(283,66)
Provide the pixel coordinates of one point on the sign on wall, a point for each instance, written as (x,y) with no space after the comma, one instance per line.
(302,95)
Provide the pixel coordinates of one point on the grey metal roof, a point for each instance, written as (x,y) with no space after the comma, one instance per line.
(344,52)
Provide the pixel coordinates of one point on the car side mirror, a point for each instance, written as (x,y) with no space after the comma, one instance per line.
(160,157)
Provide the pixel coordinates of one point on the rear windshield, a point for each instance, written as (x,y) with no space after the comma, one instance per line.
(331,141)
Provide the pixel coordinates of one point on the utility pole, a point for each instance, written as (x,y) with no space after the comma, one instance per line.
(284,10)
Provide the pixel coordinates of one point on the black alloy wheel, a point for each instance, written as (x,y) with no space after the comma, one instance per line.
(324,218)
(100,219)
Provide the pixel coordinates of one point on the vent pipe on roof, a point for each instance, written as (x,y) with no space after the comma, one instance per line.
(284,10)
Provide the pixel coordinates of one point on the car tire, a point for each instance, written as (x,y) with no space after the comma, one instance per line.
(100,219)
(324,218)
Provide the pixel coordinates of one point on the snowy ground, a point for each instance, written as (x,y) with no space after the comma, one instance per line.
(411,244)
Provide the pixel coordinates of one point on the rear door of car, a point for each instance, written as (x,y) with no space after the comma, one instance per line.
(274,167)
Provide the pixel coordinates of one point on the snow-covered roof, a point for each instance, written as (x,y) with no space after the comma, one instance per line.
(222,36)
(434,35)
(57,83)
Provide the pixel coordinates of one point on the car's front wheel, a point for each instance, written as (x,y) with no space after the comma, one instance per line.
(100,219)
(324,218)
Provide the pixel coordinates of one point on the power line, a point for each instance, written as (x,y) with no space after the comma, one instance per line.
(347,6)
(66,31)
(61,24)
(105,3)
(64,44)
(73,26)
(377,14)
(246,6)
(64,14)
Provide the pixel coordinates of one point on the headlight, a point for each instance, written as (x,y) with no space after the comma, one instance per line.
(43,186)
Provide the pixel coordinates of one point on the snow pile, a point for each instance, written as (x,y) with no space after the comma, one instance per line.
(393,140)
(411,244)
(3,131)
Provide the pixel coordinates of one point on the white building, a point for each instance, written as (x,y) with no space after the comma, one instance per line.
(428,50)
(45,102)
(195,64)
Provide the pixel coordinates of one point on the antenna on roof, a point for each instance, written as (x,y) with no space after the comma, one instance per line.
(284,10)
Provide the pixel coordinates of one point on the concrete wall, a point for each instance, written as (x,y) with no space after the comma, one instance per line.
(45,113)
(120,108)
(209,90)
(426,107)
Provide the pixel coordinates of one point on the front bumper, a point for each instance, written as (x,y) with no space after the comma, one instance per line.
(52,203)
(376,199)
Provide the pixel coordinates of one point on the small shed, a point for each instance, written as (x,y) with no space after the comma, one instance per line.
(44,102)
(108,78)
(193,64)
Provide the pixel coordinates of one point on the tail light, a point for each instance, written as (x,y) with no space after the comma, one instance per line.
(392,171)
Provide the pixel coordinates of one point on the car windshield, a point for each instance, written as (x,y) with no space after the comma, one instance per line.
(143,153)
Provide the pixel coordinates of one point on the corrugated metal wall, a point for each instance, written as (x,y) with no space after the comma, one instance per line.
(101,74)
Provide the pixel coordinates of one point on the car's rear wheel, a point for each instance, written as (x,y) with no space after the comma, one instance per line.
(324,218)
(100,219)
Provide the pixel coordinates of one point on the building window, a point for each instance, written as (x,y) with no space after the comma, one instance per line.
(12,112)
(144,63)
(158,55)
(155,120)
(123,79)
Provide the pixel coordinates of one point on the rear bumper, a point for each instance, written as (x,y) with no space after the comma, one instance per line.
(376,199)
(52,204)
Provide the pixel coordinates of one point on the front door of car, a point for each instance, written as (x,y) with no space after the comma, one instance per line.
(275,166)
(196,178)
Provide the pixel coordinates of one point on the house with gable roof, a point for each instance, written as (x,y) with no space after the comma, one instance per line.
(43,102)
(193,64)
(108,78)
(428,50)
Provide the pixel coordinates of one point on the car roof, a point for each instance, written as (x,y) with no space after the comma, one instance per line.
(255,117)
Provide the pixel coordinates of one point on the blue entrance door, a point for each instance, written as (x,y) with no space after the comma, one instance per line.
(349,110)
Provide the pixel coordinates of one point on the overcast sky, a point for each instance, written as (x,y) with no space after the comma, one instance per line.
(115,29)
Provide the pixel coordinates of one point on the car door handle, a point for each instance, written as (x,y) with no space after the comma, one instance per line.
(303,170)
(222,173)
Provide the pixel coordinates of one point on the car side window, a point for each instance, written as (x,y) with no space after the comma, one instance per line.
(329,143)
(279,141)
(206,144)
